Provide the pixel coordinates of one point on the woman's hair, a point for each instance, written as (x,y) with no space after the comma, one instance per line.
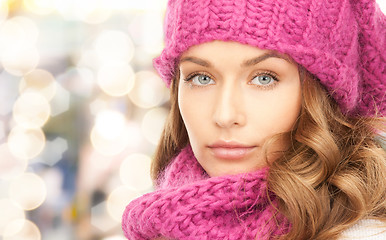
(333,174)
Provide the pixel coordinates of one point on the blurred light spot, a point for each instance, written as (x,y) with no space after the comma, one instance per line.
(119,4)
(28,190)
(20,60)
(2,130)
(53,152)
(98,105)
(113,46)
(92,11)
(101,219)
(114,238)
(4,186)
(17,38)
(153,124)
(30,29)
(109,135)
(18,32)
(3,11)
(135,135)
(88,59)
(382,5)
(159,4)
(26,143)
(10,212)
(97,16)
(118,200)
(10,166)
(39,81)
(40,6)
(78,81)
(116,79)
(143,5)
(89,11)
(22,229)
(135,172)
(31,110)
(143,59)
(11,34)
(110,124)
(53,179)
(148,91)
(66,9)
(147,31)
(9,92)
(60,102)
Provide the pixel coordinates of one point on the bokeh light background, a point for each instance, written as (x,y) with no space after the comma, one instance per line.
(81,111)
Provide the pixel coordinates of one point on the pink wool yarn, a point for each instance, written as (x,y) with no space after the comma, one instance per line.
(342,42)
(190,206)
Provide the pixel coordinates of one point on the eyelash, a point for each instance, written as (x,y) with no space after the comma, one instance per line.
(194,74)
(268,87)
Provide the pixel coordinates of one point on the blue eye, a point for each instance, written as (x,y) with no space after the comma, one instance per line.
(264,79)
(201,79)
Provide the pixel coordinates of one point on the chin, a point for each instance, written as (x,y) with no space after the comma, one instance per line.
(227,171)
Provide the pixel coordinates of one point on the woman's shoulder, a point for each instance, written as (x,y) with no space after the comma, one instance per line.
(367,229)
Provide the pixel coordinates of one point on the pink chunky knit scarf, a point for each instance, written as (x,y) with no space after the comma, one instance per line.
(190,205)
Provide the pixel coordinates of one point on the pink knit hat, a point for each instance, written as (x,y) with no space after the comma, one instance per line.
(342,42)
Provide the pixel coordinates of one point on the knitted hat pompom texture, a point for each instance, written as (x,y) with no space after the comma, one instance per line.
(341,42)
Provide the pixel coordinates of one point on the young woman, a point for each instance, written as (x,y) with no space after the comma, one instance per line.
(276,123)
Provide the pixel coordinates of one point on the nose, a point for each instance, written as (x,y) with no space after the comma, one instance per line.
(229,107)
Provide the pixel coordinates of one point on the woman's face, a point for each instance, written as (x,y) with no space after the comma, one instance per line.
(232,98)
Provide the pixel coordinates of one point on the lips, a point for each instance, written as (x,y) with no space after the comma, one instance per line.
(230,150)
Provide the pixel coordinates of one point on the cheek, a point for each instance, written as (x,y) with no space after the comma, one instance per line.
(186,109)
(277,113)
(291,107)
(194,114)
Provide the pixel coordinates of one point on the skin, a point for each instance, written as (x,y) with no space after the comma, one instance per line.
(227,93)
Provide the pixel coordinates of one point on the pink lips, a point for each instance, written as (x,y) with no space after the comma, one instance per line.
(230,150)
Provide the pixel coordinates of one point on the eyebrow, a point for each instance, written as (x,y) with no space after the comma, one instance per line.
(270,54)
(247,63)
(196,60)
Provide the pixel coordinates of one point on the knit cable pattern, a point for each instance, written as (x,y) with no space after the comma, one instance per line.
(193,206)
(342,42)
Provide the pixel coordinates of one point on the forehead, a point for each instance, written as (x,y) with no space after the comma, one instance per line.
(232,52)
(219,47)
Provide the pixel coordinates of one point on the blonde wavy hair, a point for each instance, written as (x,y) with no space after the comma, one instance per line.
(333,175)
